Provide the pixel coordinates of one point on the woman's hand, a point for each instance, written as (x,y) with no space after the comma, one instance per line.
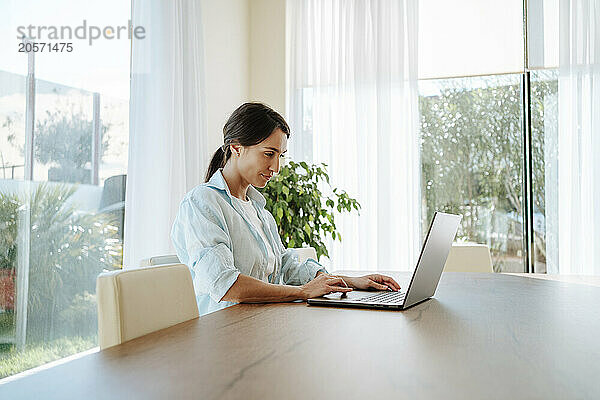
(324,284)
(373,281)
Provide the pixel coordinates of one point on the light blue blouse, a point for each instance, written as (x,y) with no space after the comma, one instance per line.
(213,236)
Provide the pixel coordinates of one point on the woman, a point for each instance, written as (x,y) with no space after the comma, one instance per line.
(227,238)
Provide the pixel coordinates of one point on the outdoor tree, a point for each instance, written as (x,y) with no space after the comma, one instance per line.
(472,160)
(65,140)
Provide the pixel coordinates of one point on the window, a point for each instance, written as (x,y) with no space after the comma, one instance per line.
(544,121)
(63,164)
(472,161)
(473,68)
(487,85)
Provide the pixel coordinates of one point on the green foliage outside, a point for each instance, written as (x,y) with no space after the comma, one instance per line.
(63,139)
(12,361)
(472,160)
(303,213)
(68,249)
(7,323)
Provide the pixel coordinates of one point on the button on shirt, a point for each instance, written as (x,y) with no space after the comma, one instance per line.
(216,238)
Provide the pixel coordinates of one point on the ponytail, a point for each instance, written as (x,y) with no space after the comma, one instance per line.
(218,161)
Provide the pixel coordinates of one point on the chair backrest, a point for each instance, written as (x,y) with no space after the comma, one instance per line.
(160,260)
(134,302)
(469,257)
(305,253)
(113,190)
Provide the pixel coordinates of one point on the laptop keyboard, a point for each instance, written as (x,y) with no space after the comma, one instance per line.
(385,297)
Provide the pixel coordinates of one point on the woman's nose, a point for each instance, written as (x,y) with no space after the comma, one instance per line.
(275,165)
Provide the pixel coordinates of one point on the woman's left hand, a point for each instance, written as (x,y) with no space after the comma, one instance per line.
(373,281)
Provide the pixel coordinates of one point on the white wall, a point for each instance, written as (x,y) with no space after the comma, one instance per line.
(244,47)
(225,27)
(267,52)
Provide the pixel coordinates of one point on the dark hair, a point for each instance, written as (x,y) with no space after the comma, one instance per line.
(249,124)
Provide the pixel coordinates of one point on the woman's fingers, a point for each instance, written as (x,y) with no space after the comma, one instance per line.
(382,279)
(336,280)
(376,285)
(339,289)
(391,282)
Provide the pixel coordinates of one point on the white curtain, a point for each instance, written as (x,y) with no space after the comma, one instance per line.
(352,103)
(167,123)
(576,242)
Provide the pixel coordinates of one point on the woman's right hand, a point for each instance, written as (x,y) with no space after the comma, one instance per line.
(324,284)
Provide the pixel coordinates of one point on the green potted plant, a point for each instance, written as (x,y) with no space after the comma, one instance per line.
(303,213)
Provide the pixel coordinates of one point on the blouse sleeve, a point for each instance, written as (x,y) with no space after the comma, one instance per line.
(296,273)
(202,242)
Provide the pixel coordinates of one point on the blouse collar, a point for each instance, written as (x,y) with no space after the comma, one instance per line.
(218,182)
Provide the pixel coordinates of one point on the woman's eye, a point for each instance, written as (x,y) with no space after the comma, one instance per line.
(269,154)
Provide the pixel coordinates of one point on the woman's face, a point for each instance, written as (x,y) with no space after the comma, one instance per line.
(257,164)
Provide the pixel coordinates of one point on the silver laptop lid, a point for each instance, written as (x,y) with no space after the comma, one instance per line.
(433,256)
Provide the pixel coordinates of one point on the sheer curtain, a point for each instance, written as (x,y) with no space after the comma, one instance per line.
(352,103)
(578,168)
(167,123)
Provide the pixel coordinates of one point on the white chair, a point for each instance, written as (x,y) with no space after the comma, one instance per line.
(135,302)
(304,253)
(159,294)
(160,260)
(469,257)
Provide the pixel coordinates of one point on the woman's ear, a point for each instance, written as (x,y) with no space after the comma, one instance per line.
(236,149)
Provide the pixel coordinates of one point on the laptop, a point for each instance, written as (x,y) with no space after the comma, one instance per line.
(425,278)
